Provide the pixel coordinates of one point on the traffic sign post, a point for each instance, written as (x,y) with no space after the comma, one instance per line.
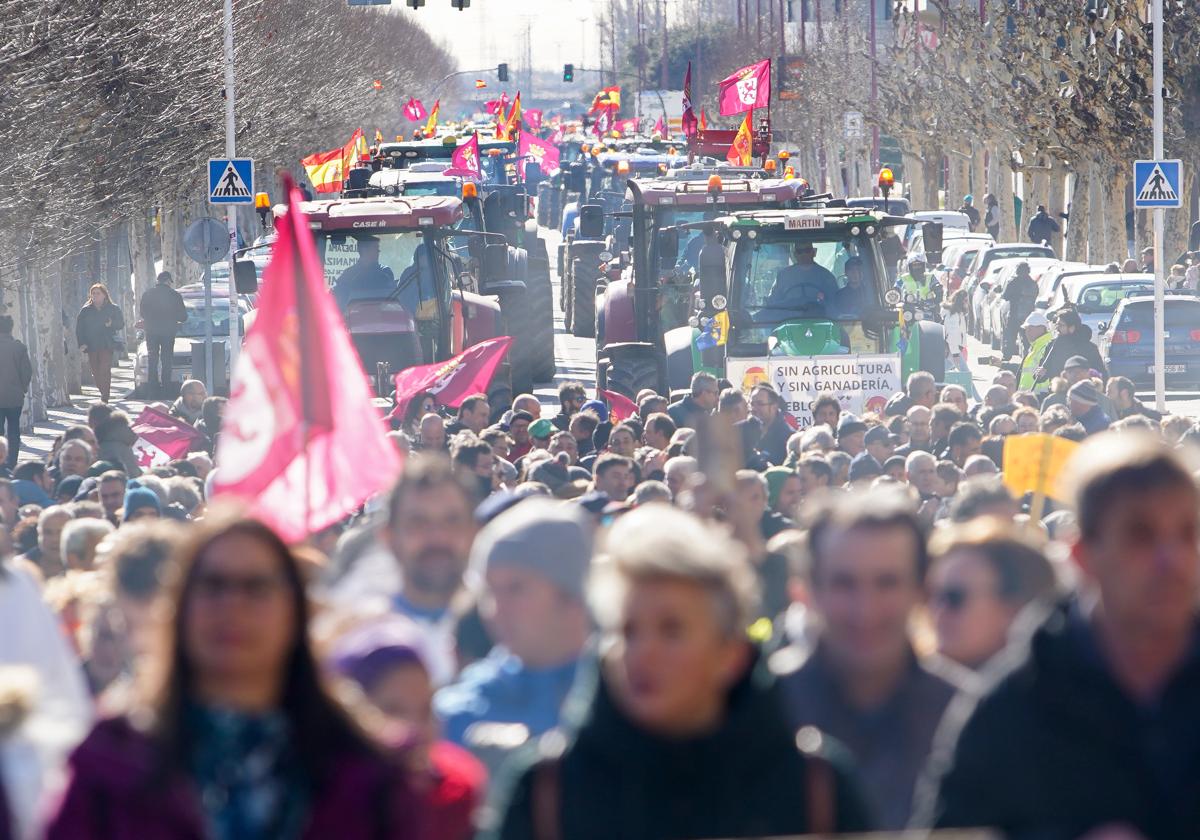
(206,242)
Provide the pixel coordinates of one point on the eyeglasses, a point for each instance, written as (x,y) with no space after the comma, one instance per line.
(212,587)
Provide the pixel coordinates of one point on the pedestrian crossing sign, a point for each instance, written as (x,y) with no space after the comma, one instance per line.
(230,181)
(1156,183)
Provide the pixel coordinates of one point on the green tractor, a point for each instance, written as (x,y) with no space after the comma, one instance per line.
(799,298)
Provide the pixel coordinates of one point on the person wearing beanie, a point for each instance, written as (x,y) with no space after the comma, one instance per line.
(140,503)
(851,434)
(533,560)
(864,467)
(1083,400)
(386,659)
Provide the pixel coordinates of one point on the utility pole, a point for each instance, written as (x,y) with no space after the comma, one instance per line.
(231,211)
(874,88)
(662,76)
(641,58)
(1160,350)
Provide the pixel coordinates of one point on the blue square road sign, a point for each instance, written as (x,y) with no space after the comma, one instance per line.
(1156,183)
(230,181)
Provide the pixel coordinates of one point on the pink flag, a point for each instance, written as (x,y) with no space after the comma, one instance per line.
(602,124)
(533,119)
(629,126)
(302,445)
(542,151)
(620,407)
(492,106)
(162,439)
(746,89)
(557,136)
(465,161)
(452,381)
(689,116)
(660,127)
(414,110)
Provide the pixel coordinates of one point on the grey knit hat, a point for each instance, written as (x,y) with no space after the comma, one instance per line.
(549,538)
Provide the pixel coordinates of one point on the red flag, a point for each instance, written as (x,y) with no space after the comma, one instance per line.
(452,381)
(660,127)
(703,120)
(492,106)
(629,126)
(465,161)
(620,407)
(746,89)
(603,123)
(741,150)
(162,439)
(542,151)
(689,116)
(533,119)
(302,444)
(414,110)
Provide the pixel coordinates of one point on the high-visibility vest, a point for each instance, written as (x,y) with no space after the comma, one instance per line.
(1033,360)
(921,288)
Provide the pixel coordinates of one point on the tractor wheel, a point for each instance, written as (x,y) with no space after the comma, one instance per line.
(517,316)
(932,349)
(583,300)
(565,287)
(562,259)
(542,301)
(630,372)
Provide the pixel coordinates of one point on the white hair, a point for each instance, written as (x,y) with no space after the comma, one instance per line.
(658,542)
(77,533)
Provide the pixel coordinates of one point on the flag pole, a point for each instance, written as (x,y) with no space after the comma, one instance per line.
(303,316)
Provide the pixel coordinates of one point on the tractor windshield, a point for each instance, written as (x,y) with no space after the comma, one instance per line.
(798,278)
(374,266)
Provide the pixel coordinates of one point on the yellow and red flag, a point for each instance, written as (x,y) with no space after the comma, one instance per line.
(513,124)
(378,137)
(431,123)
(608,99)
(327,170)
(480,84)
(741,151)
(703,120)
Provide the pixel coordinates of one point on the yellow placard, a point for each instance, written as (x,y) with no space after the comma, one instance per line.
(1034,463)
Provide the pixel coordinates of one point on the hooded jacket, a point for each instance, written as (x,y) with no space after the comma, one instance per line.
(117,792)
(1066,345)
(1056,748)
(615,779)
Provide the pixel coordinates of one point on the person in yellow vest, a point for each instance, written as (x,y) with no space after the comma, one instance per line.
(1037,333)
(917,282)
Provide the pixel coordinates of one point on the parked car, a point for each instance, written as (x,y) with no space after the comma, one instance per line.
(999,306)
(979,266)
(1051,281)
(950,220)
(956,260)
(1095,296)
(1127,341)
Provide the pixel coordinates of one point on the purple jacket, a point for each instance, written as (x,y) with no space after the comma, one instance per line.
(112,795)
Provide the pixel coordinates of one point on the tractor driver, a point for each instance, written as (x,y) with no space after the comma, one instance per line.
(366,278)
(803,284)
(854,297)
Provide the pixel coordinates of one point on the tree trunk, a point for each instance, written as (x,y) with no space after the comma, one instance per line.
(67,294)
(1055,200)
(979,187)
(44,330)
(1115,247)
(1095,234)
(1179,222)
(1002,165)
(141,259)
(932,165)
(1080,221)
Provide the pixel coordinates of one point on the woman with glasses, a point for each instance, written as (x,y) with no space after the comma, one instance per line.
(983,573)
(237,736)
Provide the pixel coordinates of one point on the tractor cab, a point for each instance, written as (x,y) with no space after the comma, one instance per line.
(409,289)
(799,297)
(497,158)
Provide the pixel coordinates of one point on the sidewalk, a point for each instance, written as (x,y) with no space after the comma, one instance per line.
(37,445)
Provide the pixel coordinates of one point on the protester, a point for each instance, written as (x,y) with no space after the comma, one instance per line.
(189,405)
(96,329)
(116,438)
(79,540)
(1088,732)
(533,561)
(981,576)
(571,397)
(862,683)
(16,372)
(700,402)
(680,732)
(768,406)
(238,732)
(163,313)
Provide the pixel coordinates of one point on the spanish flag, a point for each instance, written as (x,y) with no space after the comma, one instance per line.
(514,118)
(703,120)
(480,84)
(741,151)
(608,99)
(327,170)
(431,123)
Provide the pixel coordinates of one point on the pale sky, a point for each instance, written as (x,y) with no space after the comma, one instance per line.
(491,31)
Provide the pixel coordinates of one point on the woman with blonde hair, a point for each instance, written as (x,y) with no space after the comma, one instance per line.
(96,329)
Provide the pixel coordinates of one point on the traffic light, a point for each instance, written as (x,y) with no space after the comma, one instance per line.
(568,72)
(502,72)
(460,4)
(414,4)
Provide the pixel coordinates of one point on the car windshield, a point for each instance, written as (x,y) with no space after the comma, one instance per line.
(194,326)
(430,188)
(792,278)
(1104,297)
(1179,315)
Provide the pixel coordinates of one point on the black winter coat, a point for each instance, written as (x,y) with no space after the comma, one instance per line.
(618,781)
(1078,343)
(163,311)
(97,329)
(1056,748)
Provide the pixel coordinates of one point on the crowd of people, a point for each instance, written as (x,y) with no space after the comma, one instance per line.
(704,619)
